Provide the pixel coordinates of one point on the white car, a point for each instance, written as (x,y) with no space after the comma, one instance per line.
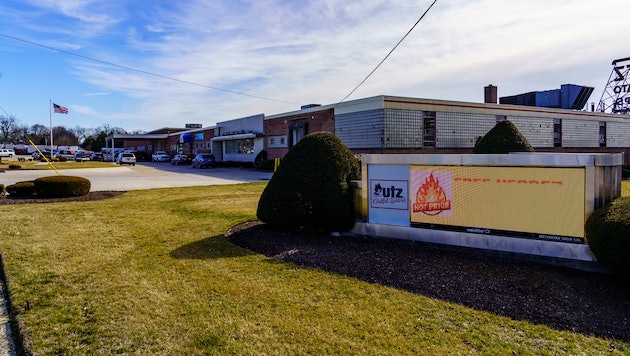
(6,152)
(160,156)
(126,158)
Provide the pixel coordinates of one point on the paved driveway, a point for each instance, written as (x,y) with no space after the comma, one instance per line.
(145,175)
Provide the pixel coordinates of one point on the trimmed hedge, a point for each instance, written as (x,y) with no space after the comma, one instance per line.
(311,190)
(21,189)
(608,235)
(503,138)
(62,186)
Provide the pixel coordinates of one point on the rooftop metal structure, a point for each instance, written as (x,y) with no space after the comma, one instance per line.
(616,95)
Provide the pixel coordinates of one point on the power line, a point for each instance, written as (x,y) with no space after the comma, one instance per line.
(143,71)
(388,54)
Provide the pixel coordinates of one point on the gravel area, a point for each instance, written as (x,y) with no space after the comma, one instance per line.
(505,284)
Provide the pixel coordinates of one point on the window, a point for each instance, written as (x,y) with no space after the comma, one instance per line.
(276,141)
(557,133)
(500,118)
(245,146)
(602,134)
(428,129)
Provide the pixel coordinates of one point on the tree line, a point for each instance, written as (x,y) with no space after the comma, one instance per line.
(12,131)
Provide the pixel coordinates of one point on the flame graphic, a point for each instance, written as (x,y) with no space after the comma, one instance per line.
(431,198)
(430,191)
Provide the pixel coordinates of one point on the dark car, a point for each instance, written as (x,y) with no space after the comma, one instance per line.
(80,156)
(46,154)
(97,156)
(203,160)
(143,156)
(180,159)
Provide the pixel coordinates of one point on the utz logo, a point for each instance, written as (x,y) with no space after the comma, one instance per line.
(389,194)
(431,196)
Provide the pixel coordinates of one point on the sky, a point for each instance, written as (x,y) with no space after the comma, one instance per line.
(145,65)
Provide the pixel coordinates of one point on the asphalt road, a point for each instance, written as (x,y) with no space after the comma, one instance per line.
(145,175)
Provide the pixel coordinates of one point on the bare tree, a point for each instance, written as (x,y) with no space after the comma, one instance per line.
(80,132)
(39,134)
(7,125)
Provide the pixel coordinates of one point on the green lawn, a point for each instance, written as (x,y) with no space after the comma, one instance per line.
(149,272)
(4,164)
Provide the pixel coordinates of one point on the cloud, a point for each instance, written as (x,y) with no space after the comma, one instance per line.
(82,110)
(297,52)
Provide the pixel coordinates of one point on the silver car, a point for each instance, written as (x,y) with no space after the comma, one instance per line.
(126,158)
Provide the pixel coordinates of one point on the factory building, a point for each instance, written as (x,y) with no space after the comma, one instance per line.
(550,120)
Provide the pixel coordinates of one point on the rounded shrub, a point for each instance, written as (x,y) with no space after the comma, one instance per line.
(503,138)
(21,189)
(608,235)
(311,190)
(62,186)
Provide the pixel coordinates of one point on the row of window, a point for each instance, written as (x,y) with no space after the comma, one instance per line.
(557,133)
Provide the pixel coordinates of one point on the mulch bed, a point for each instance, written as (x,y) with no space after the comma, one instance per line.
(505,284)
(35,200)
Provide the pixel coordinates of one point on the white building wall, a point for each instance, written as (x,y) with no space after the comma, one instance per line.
(537,131)
(618,134)
(241,157)
(580,133)
(460,130)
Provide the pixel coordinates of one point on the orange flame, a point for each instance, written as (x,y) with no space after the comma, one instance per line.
(430,191)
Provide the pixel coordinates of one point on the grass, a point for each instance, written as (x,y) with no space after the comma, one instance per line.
(4,164)
(149,272)
(625,188)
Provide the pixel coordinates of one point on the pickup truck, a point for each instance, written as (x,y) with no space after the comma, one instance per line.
(160,156)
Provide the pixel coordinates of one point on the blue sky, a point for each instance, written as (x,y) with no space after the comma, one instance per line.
(283,54)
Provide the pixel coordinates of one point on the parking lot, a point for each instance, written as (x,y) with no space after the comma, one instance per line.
(145,175)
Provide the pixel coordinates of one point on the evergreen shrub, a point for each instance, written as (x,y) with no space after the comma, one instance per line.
(503,138)
(311,190)
(62,186)
(21,189)
(608,235)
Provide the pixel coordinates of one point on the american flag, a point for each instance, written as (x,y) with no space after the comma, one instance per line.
(60,109)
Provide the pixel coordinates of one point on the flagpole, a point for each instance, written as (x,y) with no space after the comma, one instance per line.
(51,135)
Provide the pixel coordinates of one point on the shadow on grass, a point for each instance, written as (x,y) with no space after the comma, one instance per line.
(209,248)
(507,285)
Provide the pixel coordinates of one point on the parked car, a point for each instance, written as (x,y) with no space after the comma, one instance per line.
(64,154)
(97,156)
(46,154)
(80,156)
(6,152)
(126,158)
(203,160)
(160,156)
(142,156)
(180,159)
